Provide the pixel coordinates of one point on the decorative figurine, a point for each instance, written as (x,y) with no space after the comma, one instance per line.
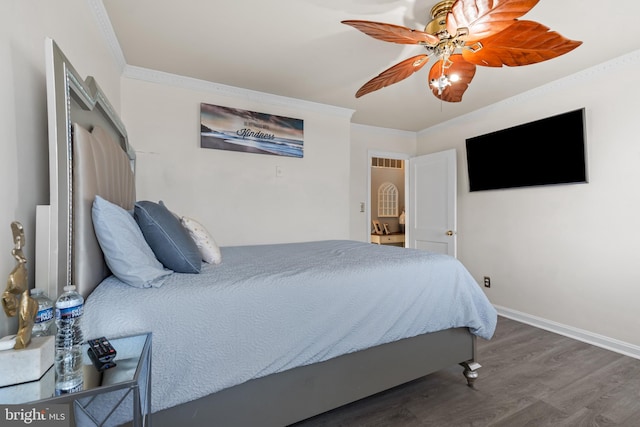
(25,307)
(26,318)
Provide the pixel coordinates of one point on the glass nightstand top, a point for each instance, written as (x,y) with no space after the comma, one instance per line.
(131,351)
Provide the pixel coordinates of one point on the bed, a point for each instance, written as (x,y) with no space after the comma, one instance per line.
(272,335)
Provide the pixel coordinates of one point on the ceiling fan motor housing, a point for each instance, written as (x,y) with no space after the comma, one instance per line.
(439,12)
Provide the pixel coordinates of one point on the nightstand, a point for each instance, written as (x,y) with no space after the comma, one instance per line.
(388,239)
(116,396)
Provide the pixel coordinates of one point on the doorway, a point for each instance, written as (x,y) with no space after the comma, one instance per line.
(430,193)
(387,197)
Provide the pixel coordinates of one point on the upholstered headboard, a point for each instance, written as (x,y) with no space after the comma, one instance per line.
(89,155)
(100,167)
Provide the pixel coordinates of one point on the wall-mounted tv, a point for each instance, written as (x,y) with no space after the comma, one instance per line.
(544,152)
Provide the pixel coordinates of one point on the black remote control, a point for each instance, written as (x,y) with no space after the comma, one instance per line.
(101,353)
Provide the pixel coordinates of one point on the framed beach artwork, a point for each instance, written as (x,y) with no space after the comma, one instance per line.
(224,128)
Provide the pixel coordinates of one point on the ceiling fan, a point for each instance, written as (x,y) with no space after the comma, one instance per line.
(462,35)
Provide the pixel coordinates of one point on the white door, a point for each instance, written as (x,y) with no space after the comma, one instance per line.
(431,219)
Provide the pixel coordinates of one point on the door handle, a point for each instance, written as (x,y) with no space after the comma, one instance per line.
(449,233)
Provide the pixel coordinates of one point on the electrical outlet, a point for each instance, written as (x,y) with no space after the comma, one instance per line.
(487,281)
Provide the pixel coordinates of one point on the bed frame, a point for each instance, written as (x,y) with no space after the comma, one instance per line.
(67,252)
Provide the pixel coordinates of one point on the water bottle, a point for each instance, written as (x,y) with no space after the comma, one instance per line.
(68,356)
(44,318)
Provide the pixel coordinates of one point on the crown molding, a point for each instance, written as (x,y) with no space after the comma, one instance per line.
(602,69)
(104,23)
(380,130)
(160,77)
(153,76)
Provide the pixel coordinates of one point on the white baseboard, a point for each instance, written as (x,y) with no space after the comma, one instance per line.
(612,344)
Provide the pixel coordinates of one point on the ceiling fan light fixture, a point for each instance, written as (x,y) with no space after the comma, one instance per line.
(441,83)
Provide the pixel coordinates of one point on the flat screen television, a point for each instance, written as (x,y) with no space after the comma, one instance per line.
(544,152)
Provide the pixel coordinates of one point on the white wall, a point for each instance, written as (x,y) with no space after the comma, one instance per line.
(566,254)
(24,24)
(363,140)
(238,196)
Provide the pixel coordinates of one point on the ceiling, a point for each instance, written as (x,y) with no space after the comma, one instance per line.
(299,49)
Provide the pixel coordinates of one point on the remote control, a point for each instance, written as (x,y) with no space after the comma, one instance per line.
(101,353)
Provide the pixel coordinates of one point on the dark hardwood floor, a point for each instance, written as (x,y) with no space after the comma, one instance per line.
(529,377)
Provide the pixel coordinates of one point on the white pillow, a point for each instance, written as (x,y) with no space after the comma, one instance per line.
(208,247)
(125,250)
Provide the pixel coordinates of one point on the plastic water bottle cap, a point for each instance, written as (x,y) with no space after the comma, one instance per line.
(69,288)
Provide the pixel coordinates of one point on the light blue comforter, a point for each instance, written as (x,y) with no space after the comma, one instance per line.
(269,308)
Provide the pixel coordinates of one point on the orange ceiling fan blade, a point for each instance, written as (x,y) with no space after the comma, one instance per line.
(458,66)
(523,43)
(484,18)
(393,33)
(394,74)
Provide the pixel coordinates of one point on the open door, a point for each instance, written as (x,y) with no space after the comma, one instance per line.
(431,218)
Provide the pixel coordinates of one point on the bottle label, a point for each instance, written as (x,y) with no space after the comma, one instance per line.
(69,312)
(44,315)
(79,387)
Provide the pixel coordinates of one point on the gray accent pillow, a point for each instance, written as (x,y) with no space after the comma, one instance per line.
(125,250)
(169,240)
